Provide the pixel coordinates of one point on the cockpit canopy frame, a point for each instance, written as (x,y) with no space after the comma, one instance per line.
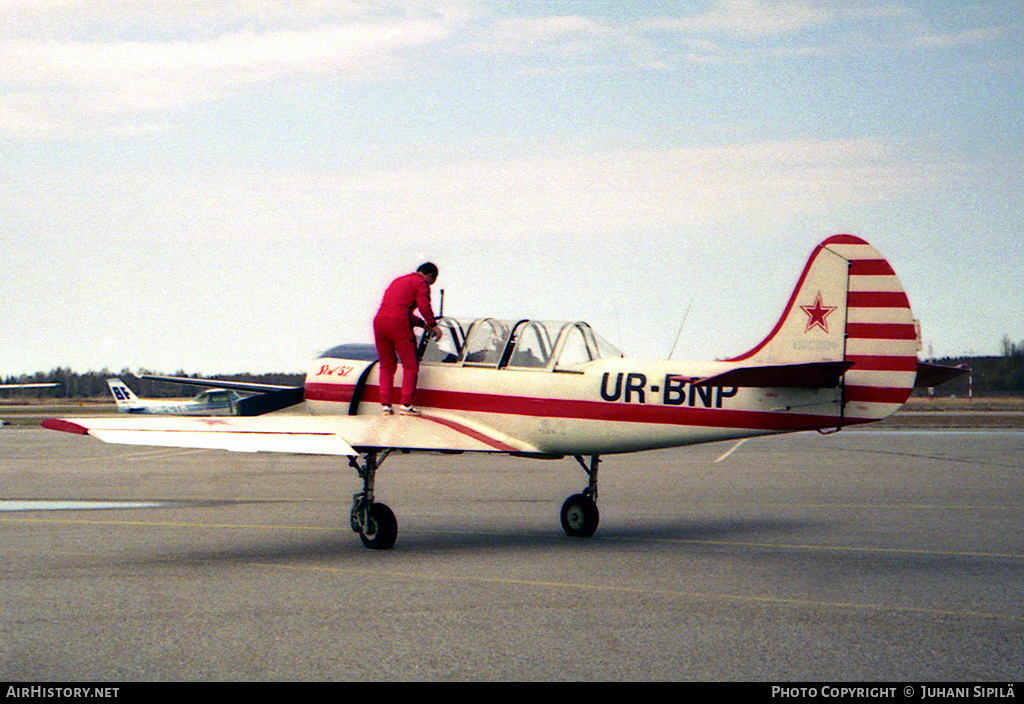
(491,343)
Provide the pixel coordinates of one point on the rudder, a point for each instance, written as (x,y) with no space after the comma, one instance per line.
(122,394)
(848,305)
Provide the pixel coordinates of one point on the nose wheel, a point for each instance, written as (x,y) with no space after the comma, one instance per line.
(580,516)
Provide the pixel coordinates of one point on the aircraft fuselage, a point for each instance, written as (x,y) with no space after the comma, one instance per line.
(605,406)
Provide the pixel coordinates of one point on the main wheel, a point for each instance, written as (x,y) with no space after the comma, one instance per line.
(580,516)
(381,528)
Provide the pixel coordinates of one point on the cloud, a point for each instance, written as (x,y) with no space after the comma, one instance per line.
(77,68)
(635,190)
(57,86)
(759,18)
(611,192)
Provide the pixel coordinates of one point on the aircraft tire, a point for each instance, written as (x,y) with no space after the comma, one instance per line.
(580,516)
(381,528)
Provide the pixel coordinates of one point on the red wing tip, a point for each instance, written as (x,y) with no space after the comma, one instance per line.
(65,426)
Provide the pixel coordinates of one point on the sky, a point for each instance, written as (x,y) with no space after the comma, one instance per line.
(224,186)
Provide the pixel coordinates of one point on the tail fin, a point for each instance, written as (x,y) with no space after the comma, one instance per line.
(848,306)
(123,395)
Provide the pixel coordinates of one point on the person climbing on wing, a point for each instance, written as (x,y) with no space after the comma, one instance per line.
(393,334)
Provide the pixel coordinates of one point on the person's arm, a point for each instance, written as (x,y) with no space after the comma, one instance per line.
(423,304)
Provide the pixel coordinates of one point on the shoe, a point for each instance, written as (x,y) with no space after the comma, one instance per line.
(386,411)
(410,411)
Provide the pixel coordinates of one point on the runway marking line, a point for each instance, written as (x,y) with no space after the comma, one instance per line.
(160,524)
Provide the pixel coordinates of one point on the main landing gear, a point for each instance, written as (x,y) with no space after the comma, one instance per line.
(374,522)
(579,512)
(378,528)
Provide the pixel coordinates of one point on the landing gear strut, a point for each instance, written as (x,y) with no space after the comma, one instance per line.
(374,522)
(579,512)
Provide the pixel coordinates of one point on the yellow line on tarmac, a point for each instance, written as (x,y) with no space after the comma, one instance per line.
(843,548)
(646,591)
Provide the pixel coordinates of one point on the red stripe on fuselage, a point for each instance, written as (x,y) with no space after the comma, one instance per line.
(469,402)
(469,432)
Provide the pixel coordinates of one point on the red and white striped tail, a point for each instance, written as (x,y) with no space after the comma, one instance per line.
(849,305)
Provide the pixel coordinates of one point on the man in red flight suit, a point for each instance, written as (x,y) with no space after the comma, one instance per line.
(392,331)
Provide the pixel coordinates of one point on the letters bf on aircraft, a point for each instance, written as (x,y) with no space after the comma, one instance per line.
(844,352)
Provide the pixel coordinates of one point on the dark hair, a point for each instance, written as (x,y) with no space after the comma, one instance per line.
(428,268)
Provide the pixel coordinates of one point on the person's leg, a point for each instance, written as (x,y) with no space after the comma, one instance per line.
(405,346)
(388,364)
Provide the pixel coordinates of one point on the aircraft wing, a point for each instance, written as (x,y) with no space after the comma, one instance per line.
(297,434)
(28,386)
(814,375)
(215,383)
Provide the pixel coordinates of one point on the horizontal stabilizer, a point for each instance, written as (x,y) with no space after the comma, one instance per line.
(813,375)
(929,375)
(269,402)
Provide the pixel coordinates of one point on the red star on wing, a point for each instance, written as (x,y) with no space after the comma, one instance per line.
(817,315)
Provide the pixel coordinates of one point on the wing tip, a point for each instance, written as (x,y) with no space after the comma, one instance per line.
(64,426)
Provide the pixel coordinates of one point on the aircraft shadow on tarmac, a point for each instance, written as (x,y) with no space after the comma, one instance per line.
(684,534)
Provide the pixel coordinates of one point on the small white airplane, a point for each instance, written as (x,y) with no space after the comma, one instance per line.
(212,402)
(843,353)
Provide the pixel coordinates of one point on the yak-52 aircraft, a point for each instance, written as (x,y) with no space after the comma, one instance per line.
(843,353)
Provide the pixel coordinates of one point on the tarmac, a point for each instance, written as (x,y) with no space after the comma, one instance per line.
(884,555)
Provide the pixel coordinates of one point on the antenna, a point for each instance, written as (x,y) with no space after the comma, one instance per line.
(681,324)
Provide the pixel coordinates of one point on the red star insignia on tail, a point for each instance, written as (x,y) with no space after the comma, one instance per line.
(817,315)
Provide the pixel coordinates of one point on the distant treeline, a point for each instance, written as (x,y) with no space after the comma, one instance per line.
(990,376)
(94,384)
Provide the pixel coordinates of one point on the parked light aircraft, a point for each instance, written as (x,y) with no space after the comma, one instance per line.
(843,353)
(212,402)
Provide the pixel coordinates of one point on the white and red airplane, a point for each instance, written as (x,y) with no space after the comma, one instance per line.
(843,353)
